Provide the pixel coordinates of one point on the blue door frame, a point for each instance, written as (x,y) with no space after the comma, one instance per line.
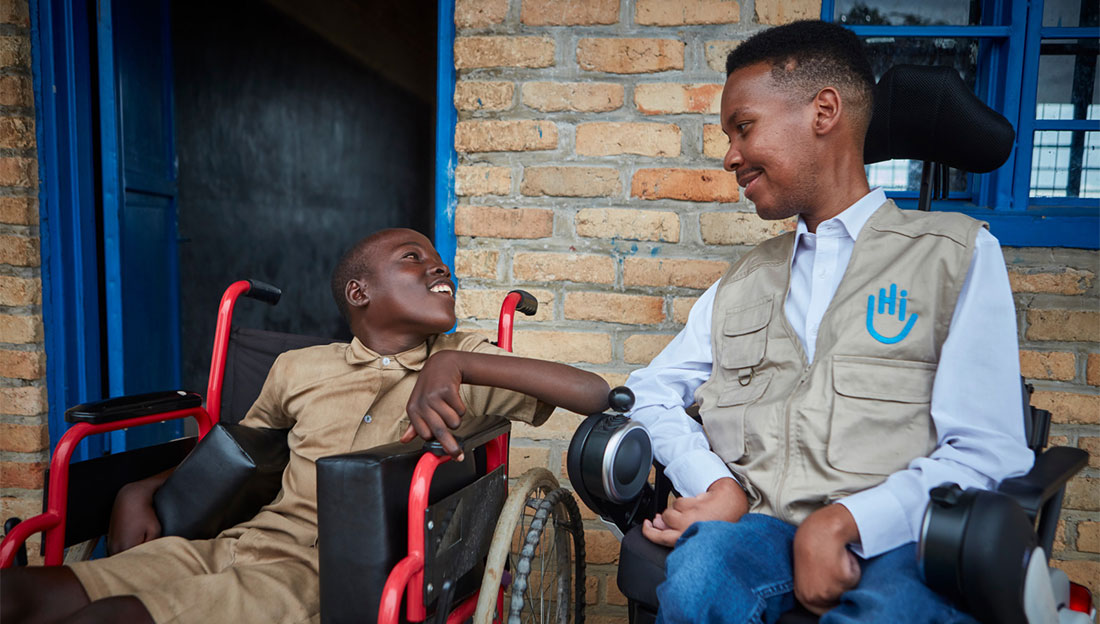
(445,119)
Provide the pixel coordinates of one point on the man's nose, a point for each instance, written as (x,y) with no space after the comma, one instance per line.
(732,160)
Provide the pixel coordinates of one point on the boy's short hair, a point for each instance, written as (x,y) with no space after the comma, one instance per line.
(807,56)
(354,264)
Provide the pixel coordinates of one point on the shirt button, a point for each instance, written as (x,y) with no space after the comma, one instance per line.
(366,418)
(385,361)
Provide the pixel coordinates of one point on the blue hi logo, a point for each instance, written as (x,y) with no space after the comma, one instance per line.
(886,305)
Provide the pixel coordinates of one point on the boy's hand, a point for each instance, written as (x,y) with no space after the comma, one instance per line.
(435,406)
(824,568)
(723,500)
(133,519)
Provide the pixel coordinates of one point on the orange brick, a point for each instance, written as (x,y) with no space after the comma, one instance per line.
(485,304)
(1065,281)
(644,139)
(614,594)
(1083,493)
(715,142)
(24,438)
(569,12)
(682,272)
(1088,537)
(15,12)
(475,52)
(641,348)
(15,52)
(614,308)
(591,583)
(559,427)
(523,458)
(482,180)
(18,172)
(681,308)
(665,13)
(571,181)
(479,13)
(17,132)
(630,224)
(1057,440)
(620,618)
(476,95)
(1092,370)
(1059,535)
(16,91)
(600,546)
(1069,408)
(740,228)
(559,267)
(479,263)
(505,136)
(585,97)
(22,364)
(19,250)
(1083,572)
(614,379)
(496,222)
(590,347)
(663,98)
(26,475)
(20,291)
(701,185)
(717,52)
(630,56)
(1057,365)
(1063,325)
(19,210)
(776,12)
(23,401)
(1092,445)
(18,329)
(21,507)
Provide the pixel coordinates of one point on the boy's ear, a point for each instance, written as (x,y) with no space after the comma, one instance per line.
(355,292)
(827,110)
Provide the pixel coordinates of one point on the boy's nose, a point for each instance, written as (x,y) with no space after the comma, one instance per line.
(440,269)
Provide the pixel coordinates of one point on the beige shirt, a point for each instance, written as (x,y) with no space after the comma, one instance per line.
(340,398)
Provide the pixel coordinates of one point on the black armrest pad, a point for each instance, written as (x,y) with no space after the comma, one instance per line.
(123,407)
(1050,473)
(472,434)
(232,473)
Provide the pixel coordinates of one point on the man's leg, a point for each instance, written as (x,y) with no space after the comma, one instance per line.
(729,572)
(891,590)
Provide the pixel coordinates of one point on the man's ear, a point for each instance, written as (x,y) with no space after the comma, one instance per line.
(827,110)
(355,292)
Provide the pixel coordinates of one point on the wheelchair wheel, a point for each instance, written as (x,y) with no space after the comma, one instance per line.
(548,576)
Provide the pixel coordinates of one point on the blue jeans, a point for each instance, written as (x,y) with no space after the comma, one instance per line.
(742,572)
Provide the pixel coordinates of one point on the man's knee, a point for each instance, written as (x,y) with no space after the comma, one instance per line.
(39,594)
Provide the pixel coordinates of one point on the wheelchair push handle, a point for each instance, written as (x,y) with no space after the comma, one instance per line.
(262,291)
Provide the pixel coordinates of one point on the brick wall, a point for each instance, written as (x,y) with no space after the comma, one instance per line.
(590,174)
(24,438)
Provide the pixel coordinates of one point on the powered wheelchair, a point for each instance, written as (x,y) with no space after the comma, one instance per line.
(987,550)
(405,533)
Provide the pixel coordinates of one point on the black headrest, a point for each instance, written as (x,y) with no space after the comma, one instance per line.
(928,113)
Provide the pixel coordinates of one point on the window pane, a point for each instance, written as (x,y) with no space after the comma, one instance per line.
(909,13)
(1067,13)
(1065,163)
(962,54)
(904,175)
(1067,80)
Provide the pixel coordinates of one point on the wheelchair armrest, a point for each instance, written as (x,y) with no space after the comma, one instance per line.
(1052,469)
(608,463)
(472,434)
(132,406)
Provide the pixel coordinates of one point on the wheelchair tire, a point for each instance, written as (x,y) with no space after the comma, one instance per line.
(548,577)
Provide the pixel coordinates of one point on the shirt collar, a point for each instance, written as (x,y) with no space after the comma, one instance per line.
(357,353)
(851,219)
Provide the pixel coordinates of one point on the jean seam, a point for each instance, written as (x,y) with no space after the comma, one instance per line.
(774,589)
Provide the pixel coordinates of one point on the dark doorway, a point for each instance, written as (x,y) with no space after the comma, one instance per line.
(292,145)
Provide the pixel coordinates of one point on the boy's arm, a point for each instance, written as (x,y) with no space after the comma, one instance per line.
(435,406)
(133,519)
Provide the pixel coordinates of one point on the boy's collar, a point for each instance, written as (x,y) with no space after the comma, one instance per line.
(413,359)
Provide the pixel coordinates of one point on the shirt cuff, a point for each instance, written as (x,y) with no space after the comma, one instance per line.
(692,473)
(882,521)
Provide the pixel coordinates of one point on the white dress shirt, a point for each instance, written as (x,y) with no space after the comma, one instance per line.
(976,396)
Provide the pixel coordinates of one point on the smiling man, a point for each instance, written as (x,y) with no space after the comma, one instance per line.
(841,370)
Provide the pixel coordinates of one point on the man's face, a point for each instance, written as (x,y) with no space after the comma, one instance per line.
(771,143)
(409,286)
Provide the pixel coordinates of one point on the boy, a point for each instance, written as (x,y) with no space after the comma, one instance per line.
(398,299)
(862,360)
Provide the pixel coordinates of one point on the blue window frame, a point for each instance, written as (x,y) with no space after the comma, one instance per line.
(1035,63)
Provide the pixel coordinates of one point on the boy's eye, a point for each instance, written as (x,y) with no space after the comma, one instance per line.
(412,254)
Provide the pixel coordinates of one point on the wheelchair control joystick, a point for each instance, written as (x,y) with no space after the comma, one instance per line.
(621,399)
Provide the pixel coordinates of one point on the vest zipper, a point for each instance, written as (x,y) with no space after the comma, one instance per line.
(780,510)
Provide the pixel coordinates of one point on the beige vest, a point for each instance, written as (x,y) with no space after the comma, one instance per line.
(800,435)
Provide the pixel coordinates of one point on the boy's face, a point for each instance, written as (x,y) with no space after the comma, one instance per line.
(771,148)
(409,286)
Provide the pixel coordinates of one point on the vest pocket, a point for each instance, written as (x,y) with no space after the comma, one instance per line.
(725,425)
(881,417)
(743,337)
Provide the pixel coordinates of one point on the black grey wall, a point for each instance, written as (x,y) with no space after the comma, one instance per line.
(289,151)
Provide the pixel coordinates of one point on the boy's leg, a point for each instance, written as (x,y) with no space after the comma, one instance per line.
(109,610)
(39,594)
(891,590)
(729,572)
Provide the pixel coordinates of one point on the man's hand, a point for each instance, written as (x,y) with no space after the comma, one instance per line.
(435,406)
(723,500)
(824,568)
(133,519)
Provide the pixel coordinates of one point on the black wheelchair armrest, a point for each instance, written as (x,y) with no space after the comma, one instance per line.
(132,406)
(1052,469)
(472,434)
(608,463)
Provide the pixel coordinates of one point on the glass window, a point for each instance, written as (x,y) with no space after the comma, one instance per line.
(1067,13)
(909,13)
(1065,164)
(1068,77)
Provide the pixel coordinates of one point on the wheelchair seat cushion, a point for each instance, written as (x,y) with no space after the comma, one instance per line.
(641,567)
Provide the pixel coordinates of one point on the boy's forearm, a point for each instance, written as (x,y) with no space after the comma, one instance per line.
(550,382)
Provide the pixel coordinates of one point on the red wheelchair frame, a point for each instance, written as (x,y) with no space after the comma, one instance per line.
(408,574)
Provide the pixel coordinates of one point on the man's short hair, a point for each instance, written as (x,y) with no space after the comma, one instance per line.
(354,264)
(810,55)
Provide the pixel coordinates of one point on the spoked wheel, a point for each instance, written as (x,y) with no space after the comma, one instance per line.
(536,560)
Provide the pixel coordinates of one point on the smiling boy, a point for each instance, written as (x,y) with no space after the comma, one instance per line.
(841,370)
(398,298)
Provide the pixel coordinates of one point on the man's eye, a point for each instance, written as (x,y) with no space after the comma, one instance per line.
(741,127)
